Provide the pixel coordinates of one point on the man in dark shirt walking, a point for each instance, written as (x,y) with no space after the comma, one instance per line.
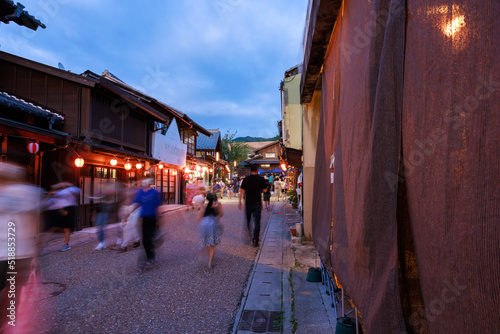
(251,188)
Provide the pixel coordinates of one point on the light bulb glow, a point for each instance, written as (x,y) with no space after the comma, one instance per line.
(79,162)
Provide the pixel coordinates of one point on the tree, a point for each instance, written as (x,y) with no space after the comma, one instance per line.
(233,151)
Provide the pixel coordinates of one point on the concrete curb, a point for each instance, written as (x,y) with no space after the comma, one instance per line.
(250,279)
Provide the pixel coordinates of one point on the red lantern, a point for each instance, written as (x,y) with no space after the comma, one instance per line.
(33,148)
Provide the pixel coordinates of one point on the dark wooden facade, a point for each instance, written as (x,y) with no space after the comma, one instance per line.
(103,119)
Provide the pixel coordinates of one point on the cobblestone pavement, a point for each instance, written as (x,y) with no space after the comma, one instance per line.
(178,294)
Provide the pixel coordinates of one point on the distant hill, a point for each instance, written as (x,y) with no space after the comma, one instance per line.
(254,139)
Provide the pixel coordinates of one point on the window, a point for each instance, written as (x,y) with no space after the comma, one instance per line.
(189,139)
(270,155)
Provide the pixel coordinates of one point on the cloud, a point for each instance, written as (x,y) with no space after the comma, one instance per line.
(219,60)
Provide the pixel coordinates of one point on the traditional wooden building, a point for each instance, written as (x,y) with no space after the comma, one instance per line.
(267,156)
(111,126)
(209,149)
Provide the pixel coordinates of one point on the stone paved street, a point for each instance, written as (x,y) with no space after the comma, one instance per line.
(104,293)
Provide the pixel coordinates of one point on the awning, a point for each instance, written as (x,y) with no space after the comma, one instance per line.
(275,170)
(264,161)
(200,162)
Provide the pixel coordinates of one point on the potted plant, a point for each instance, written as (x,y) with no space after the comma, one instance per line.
(294,200)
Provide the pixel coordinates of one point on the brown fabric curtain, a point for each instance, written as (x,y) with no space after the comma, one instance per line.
(322,211)
(416,199)
(367,146)
(451,157)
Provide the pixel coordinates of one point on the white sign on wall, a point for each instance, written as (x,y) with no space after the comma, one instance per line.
(168,147)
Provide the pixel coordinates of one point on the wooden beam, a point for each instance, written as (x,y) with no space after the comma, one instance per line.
(322,19)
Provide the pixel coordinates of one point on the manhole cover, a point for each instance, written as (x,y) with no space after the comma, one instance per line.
(259,321)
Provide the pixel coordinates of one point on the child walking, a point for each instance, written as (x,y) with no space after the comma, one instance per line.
(210,229)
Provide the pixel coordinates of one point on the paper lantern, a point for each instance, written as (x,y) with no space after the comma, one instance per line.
(160,166)
(79,162)
(33,147)
(113,162)
(128,166)
(138,165)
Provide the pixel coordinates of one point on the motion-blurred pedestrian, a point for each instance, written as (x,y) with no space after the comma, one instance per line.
(19,211)
(199,199)
(105,208)
(277,188)
(148,199)
(210,228)
(129,214)
(61,206)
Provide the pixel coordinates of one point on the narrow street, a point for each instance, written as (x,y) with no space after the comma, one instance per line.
(104,293)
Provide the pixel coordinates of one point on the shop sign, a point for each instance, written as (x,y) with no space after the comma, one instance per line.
(168,147)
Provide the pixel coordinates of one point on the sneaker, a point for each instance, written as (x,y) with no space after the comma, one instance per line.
(101,246)
(136,244)
(65,248)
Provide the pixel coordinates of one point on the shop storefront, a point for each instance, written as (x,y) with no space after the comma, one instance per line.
(171,151)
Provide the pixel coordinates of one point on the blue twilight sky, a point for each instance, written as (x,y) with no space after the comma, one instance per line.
(219,61)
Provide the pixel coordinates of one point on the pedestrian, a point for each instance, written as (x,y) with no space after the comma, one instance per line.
(222,188)
(199,199)
(61,206)
(105,208)
(251,189)
(210,228)
(129,216)
(229,190)
(236,184)
(19,209)
(216,188)
(267,195)
(148,199)
(277,188)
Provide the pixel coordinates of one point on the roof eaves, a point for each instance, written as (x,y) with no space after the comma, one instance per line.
(15,102)
(267,145)
(47,69)
(126,95)
(322,18)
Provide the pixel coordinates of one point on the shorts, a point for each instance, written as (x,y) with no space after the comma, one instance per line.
(64,218)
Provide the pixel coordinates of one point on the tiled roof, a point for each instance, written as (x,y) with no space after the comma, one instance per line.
(208,142)
(12,101)
(257,144)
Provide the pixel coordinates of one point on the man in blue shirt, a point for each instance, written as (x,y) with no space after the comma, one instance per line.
(148,199)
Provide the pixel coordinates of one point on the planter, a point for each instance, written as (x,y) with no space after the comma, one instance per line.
(299,229)
(314,275)
(293,231)
(347,325)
